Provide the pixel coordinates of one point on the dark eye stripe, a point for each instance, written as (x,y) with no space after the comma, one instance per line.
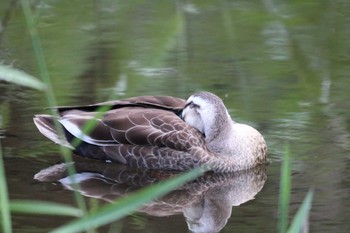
(188,104)
(191,105)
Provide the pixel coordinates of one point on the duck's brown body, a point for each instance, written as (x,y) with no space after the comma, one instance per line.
(145,131)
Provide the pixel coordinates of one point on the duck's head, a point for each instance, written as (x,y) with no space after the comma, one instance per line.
(206,112)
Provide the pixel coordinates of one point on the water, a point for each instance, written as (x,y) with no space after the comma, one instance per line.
(281,67)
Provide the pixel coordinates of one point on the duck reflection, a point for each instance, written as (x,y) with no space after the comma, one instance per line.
(206,203)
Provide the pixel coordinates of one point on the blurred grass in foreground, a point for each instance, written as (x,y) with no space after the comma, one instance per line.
(5,214)
(300,220)
(49,94)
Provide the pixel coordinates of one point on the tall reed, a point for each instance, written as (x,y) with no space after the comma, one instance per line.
(50,97)
(4,199)
(300,220)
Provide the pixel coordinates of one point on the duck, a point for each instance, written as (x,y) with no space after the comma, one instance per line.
(158,133)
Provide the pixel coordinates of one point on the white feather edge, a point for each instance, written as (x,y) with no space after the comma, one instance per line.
(78,133)
(50,133)
(79,177)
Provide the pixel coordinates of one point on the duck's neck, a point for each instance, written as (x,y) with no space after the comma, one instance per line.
(219,125)
(218,138)
(238,145)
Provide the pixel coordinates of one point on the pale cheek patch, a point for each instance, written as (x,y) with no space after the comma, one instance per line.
(193,119)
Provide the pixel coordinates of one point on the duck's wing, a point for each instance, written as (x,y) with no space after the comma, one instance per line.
(142,126)
(143,120)
(141,132)
(158,102)
(140,137)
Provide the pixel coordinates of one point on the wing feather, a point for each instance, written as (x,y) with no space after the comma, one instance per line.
(143,131)
(155,127)
(156,157)
(134,126)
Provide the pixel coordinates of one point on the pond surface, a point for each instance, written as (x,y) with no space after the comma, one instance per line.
(280,67)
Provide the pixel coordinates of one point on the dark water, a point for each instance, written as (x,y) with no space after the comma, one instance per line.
(282,67)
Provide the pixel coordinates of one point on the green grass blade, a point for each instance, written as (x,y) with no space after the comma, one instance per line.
(19,77)
(43,207)
(284,195)
(302,215)
(125,206)
(45,77)
(38,51)
(4,200)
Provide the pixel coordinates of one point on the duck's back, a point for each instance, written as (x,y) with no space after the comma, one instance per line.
(169,103)
(137,131)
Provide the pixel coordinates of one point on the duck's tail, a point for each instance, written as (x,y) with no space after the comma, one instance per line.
(46,126)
